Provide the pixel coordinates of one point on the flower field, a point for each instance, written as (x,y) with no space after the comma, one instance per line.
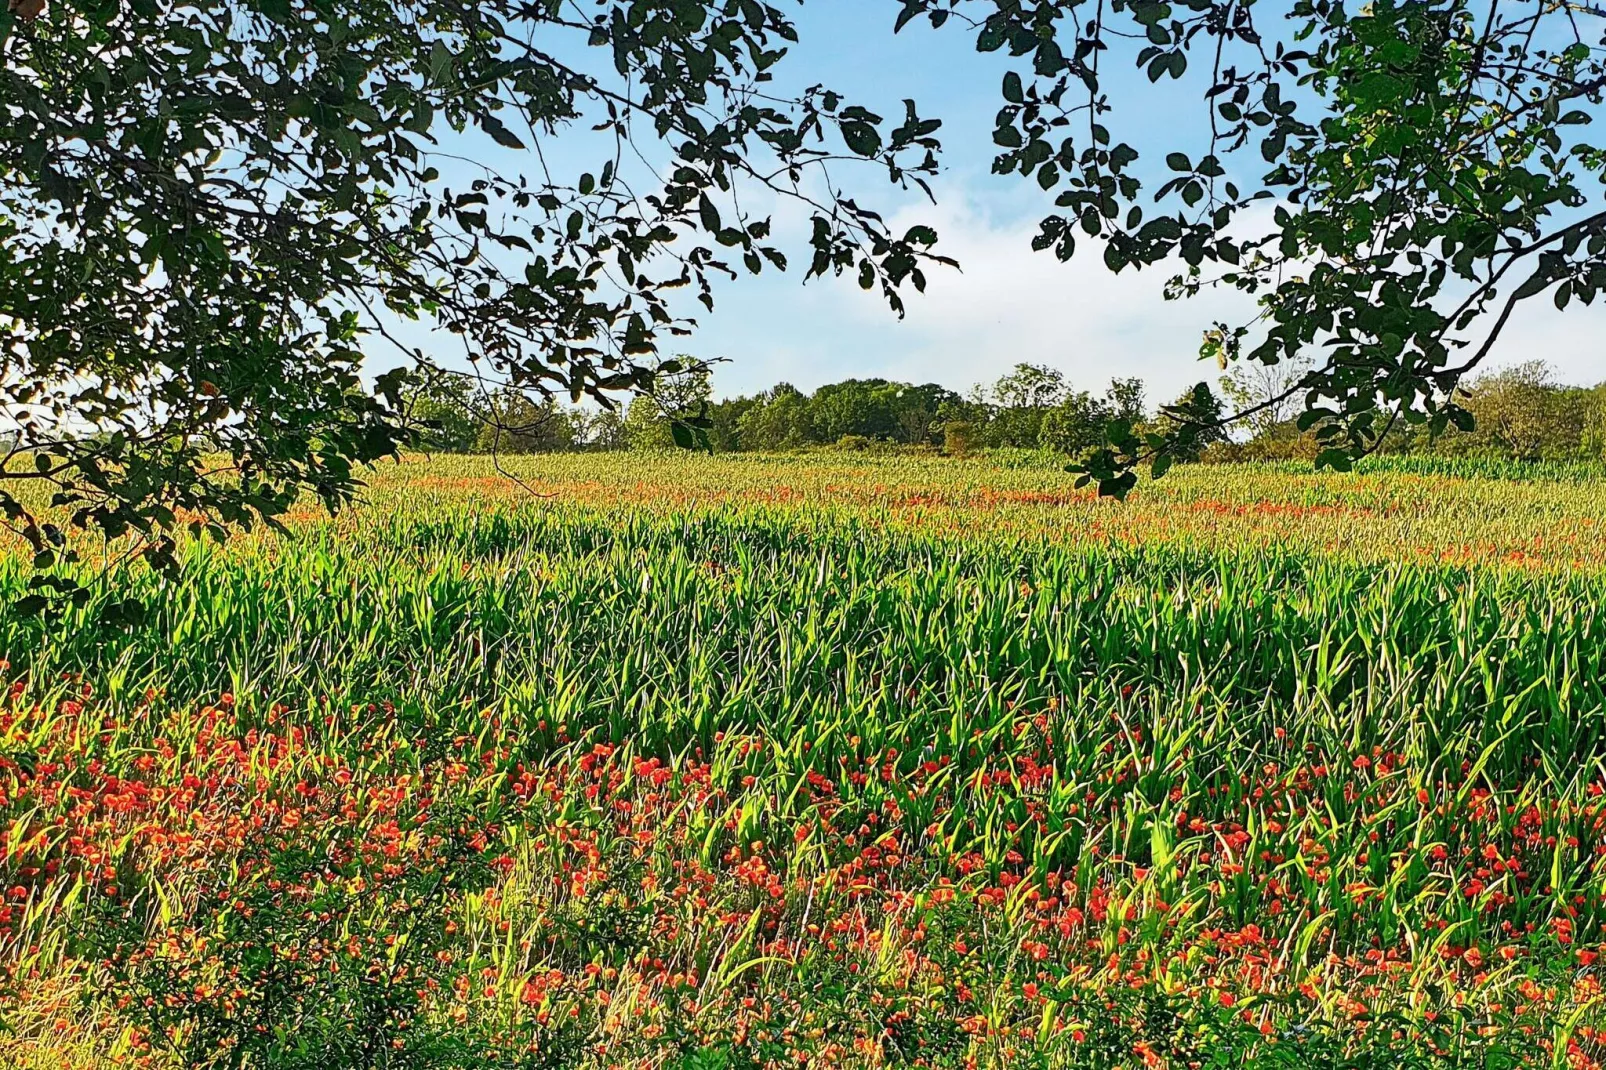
(703,763)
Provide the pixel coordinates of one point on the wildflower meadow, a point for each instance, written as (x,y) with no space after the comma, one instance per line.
(822,760)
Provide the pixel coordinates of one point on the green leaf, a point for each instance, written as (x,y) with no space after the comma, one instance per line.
(499,132)
(861,138)
(30,605)
(127,613)
(1534,284)
(708,214)
(422,118)
(440,59)
(1336,459)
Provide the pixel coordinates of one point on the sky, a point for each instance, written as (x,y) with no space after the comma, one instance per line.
(1006,304)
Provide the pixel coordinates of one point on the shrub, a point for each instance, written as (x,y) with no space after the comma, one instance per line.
(957,436)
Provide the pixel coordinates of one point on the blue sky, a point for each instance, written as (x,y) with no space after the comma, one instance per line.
(1006,304)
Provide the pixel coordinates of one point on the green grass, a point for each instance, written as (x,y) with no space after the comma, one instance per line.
(1475,467)
(670,781)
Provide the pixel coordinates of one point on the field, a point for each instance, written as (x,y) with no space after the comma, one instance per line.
(821,760)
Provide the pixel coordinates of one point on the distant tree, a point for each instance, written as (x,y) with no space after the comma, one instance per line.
(957,437)
(973,410)
(780,419)
(1525,414)
(916,409)
(516,423)
(443,411)
(725,423)
(1522,413)
(1029,386)
(1266,392)
(605,430)
(682,383)
(645,426)
(914,421)
(1125,401)
(863,407)
(675,410)
(1191,423)
(1075,425)
(1593,441)
(1021,398)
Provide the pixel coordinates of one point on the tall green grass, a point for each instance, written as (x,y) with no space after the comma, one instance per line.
(1343,766)
(658,628)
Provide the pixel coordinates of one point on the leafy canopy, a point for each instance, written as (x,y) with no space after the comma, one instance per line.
(208,209)
(1423,163)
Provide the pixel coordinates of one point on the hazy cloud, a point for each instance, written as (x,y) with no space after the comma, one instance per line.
(1010,304)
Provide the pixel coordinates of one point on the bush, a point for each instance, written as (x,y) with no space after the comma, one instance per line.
(957,436)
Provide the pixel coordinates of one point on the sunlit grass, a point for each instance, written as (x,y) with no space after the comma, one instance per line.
(690,762)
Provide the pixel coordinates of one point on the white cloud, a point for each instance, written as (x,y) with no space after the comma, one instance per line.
(1572,342)
(1007,304)
(1010,304)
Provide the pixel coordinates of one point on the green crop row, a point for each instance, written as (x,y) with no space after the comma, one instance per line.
(630,779)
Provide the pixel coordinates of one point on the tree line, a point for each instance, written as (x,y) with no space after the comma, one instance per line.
(1522,413)
(1032,406)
